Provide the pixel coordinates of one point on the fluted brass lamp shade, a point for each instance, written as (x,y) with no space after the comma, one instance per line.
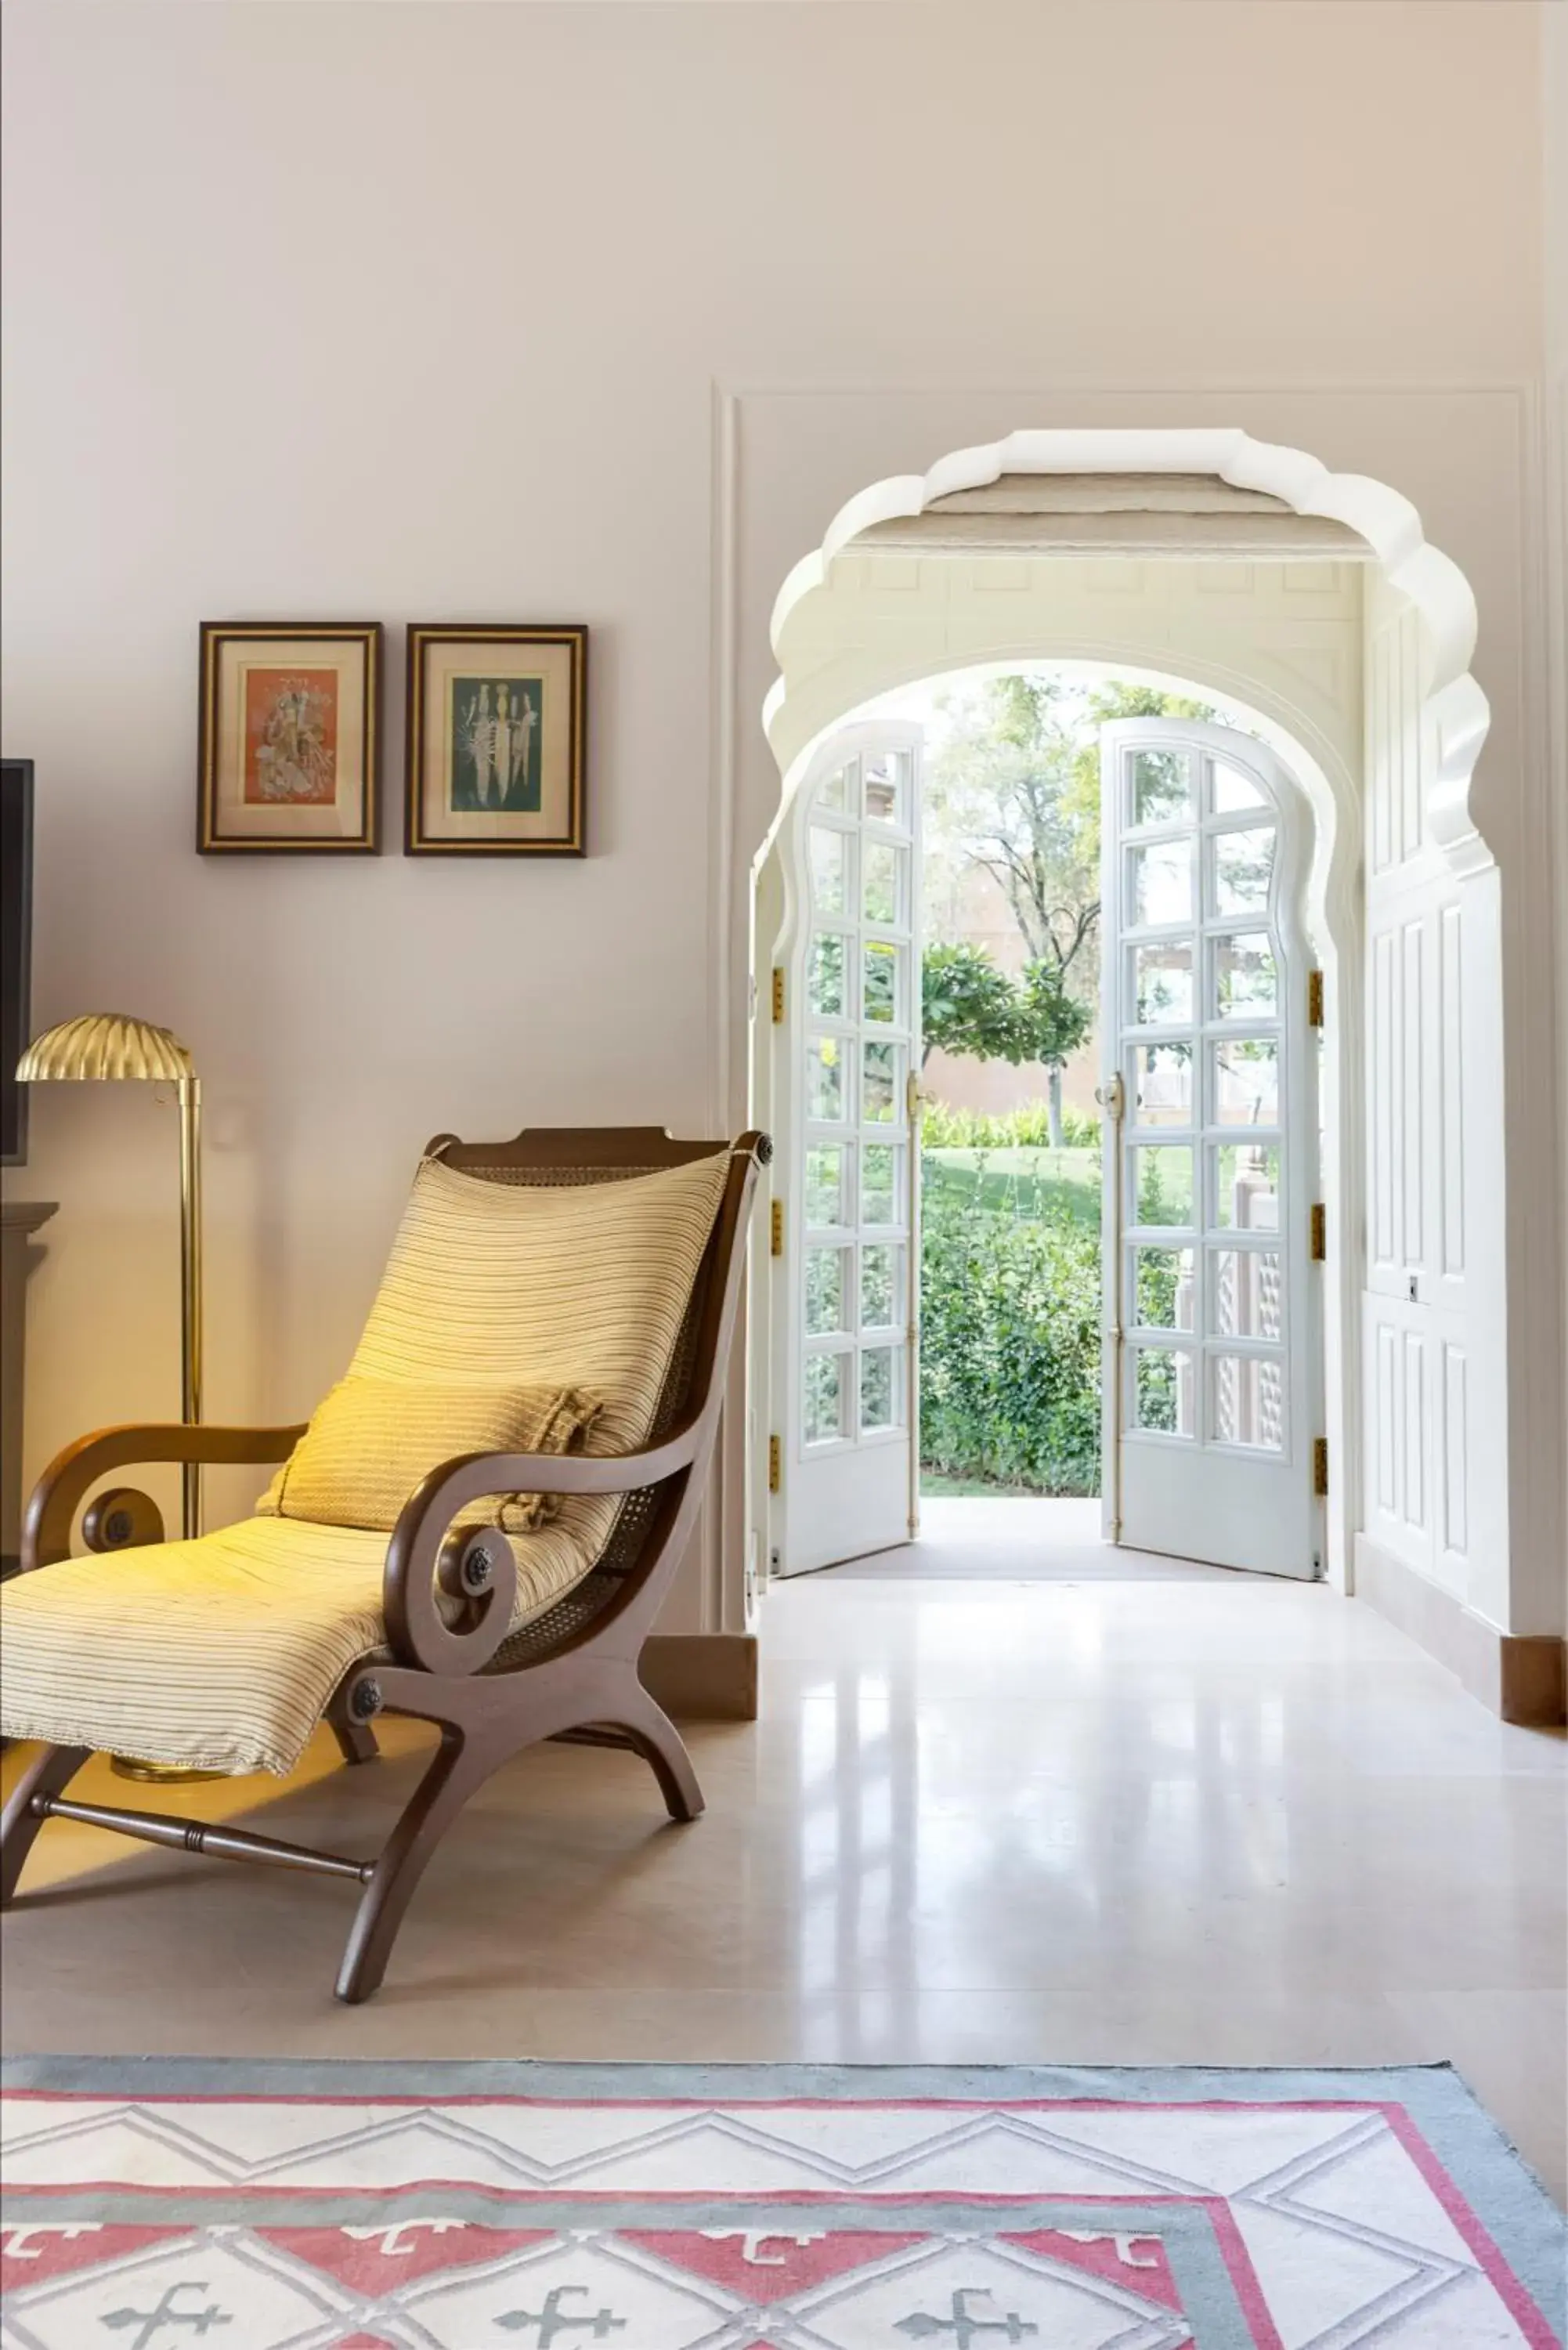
(105,1045)
(111,1045)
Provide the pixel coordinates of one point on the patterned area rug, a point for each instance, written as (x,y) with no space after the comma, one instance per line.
(150,2203)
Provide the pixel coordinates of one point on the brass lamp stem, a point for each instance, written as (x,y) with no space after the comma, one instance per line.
(191,1293)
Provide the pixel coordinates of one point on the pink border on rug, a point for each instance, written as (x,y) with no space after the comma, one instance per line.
(1521,2307)
(1245,2281)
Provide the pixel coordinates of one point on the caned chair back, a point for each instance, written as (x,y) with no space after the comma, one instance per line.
(557,1156)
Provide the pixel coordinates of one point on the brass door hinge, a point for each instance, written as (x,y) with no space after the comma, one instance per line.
(776,1228)
(1314,999)
(1320,1466)
(776,1464)
(1319,1232)
(778,995)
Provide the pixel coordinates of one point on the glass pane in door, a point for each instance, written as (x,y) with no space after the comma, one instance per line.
(1244,1292)
(826,1290)
(1164,1390)
(888,786)
(1161,1184)
(1248,1402)
(825,1185)
(1163,1288)
(1162,984)
(1246,1186)
(829,869)
(1245,979)
(1246,1081)
(1159,884)
(1161,787)
(1232,790)
(824,1397)
(878,1388)
(825,1079)
(882,1068)
(881,1194)
(882,882)
(1242,865)
(881,1285)
(1162,1085)
(879,963)
(825,975)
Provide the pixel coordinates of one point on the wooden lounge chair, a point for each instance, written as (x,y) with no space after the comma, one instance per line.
(433,1616)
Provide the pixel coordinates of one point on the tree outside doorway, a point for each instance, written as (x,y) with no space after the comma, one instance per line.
(1011,1292)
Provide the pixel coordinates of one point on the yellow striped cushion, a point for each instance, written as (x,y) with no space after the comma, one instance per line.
(372,1441)
(216,1655)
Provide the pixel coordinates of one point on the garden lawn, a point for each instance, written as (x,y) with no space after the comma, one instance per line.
(1023,1181)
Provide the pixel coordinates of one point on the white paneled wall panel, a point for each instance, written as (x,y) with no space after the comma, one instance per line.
(1425,1414)
(1454,1533)
(1450,1163)
(1410,1130)
(1417,1415)
(1380,1124)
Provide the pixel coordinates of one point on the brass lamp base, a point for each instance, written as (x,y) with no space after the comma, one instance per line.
(160,1774)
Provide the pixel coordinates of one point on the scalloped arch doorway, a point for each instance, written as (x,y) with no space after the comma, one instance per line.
(1311,602)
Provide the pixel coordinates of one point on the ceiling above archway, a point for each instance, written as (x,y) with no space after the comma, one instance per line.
(1123,514)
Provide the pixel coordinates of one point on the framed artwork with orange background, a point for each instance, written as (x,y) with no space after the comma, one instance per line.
(291,738)
(496,741)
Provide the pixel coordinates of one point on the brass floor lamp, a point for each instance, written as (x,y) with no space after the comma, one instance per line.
(108,1045)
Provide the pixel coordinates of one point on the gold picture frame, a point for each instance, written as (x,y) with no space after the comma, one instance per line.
(497,741)
(290,743)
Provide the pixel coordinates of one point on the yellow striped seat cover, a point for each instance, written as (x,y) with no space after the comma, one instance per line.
(221,1654)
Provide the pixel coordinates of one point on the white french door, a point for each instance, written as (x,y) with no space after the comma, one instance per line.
(846,1042)
(1212,1366)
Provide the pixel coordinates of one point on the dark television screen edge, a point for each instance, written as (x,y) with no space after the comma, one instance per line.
(16,951)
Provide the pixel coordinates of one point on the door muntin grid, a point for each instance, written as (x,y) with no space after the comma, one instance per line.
(861,999)
(1203,856)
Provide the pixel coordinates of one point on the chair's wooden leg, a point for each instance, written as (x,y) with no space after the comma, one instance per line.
(19,1824)
(661,1746)
(356,1739)
(455,1773)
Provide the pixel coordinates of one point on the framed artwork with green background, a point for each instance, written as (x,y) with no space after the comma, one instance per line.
(496,741)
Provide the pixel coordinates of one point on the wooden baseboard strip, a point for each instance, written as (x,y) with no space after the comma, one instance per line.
(1522,1676)
(702,1675)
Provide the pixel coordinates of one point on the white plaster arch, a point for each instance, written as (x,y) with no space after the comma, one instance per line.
(1315,761)
(1281,718)
(1454,704)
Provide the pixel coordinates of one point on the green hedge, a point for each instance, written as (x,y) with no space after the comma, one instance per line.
(1024,1129)
(1010,1342)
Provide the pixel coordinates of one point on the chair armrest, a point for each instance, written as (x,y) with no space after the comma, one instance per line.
(483,1571)
(46,1535)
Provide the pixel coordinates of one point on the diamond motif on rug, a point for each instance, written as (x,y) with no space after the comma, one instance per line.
(431,2207)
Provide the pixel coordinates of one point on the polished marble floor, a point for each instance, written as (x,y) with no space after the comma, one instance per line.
(1017,1538)
(1144,1821)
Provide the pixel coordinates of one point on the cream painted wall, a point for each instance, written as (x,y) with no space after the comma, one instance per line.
(411,311)
(1555,280)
